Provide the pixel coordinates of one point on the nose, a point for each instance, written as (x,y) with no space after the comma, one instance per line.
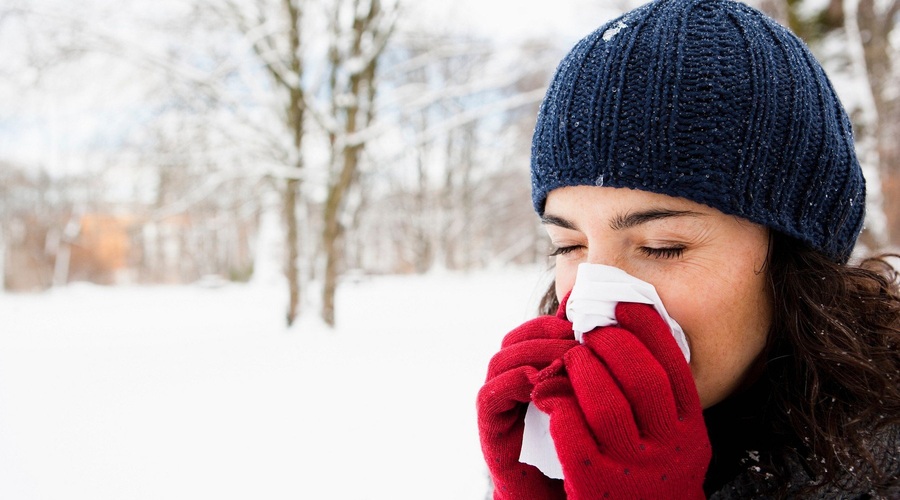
(605,255)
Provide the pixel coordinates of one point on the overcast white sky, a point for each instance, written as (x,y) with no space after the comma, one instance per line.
(568,20)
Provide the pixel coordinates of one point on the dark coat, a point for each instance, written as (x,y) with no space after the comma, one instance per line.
(744,451)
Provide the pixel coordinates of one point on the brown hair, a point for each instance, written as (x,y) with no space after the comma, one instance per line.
(831,357)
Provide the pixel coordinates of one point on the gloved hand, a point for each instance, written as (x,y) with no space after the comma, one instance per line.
(624,412)
(503,399)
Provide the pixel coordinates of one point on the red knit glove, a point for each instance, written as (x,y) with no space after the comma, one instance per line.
(503,399)
(624,413)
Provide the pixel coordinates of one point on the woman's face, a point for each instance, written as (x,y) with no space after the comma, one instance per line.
(707,267)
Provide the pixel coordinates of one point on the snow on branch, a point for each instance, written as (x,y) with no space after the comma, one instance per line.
(442,128)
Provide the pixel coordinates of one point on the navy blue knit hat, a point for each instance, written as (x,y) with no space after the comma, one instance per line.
(708,100)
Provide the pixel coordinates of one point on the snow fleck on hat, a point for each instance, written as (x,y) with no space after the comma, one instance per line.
(708,100)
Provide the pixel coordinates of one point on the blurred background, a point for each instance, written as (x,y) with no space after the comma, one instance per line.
(240,239)
(148,142)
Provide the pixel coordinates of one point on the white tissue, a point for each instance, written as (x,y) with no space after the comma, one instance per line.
(599,288)
(591,304)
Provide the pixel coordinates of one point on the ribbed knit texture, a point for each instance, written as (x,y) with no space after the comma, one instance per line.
(708,100)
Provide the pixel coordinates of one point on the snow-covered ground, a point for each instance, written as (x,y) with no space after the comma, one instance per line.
(202,393)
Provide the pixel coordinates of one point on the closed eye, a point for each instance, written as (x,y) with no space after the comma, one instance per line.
(564,250)
(664,252)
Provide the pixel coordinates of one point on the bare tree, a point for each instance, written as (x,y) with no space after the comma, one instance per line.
(273,32)
(458,197)
(359,32)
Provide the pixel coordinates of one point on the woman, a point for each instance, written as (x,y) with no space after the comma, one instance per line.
(697,145)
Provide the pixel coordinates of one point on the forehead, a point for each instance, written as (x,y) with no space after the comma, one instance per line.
(586,207)
(599,199)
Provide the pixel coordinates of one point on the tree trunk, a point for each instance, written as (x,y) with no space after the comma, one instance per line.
(292,195)
(333,232)
(354,103)
(292,188)
(875,28)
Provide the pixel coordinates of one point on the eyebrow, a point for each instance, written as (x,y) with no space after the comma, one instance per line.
(553,220)
(632,219)
(625,221)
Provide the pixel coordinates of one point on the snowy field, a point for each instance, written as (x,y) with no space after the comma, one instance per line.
(202,393)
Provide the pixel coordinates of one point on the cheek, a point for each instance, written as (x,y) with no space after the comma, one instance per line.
(565,278)
(726,329)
